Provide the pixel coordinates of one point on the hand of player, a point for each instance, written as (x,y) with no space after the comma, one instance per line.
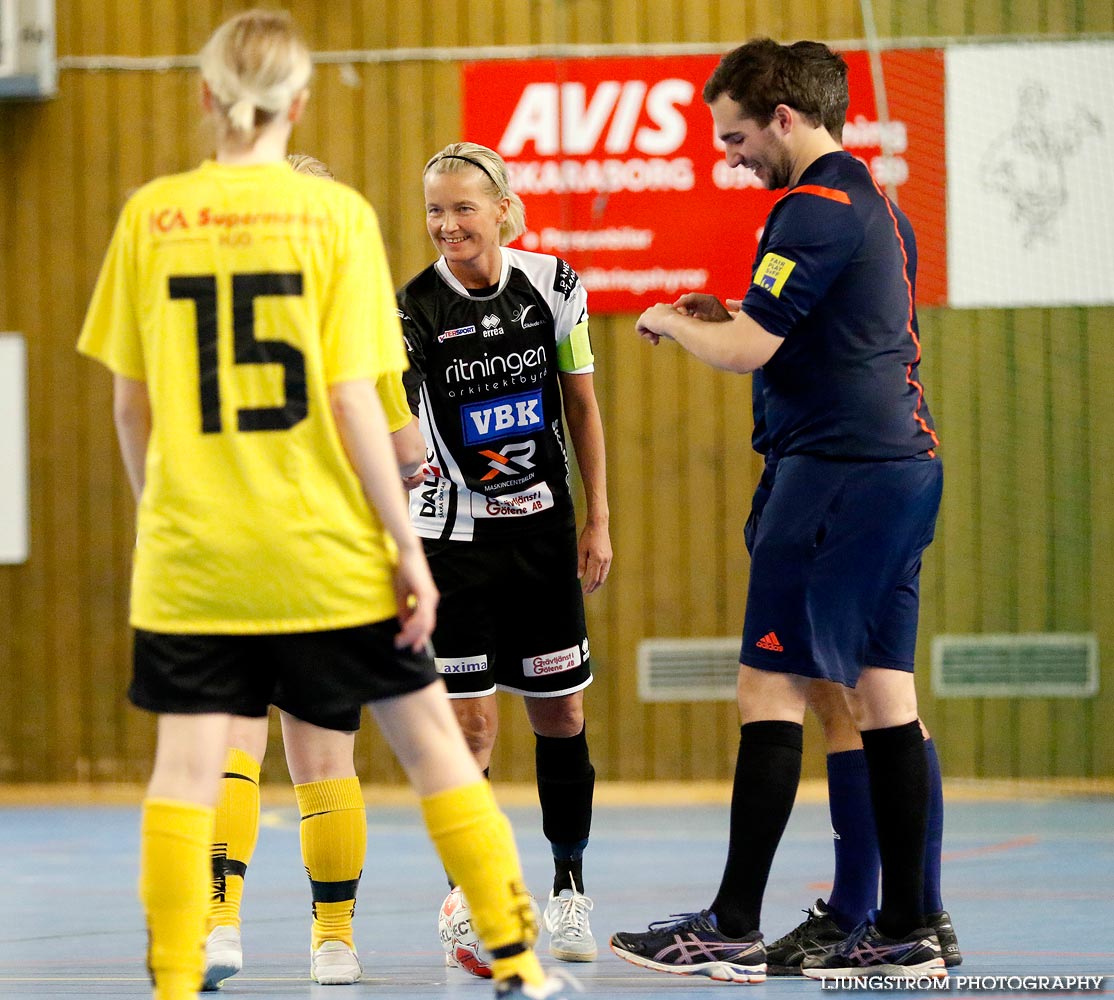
(733,305)
(702,306)
(417,598)
(593,557)
(651,324)
(410,482)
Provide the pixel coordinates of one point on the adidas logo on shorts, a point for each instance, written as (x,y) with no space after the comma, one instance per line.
(770,641)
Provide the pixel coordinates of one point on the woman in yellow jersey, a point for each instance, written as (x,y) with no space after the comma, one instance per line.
(319,744)
(246,312)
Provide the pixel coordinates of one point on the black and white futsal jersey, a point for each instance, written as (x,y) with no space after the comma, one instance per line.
(483,382)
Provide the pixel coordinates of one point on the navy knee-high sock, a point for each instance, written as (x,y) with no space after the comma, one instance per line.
(855,888)
(934,839)
(767,773)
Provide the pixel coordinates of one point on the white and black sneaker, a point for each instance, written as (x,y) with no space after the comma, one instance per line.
(868,952)
(691,944)
(941,923)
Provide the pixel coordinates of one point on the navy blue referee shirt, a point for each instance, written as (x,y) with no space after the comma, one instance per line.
(835,276)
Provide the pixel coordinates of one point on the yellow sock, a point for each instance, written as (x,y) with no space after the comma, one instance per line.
(235,835)
(334,843)
(173,880)
(477,849)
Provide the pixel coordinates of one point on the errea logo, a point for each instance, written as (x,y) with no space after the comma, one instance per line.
(492,324)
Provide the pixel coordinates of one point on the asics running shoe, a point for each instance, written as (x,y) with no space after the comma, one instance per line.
(690,944)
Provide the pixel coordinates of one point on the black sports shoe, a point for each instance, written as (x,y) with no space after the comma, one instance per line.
(941,923)
(868,952)
(817,935)
(690,944)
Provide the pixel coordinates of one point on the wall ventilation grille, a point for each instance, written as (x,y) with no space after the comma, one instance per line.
(1035,665)
(688,669)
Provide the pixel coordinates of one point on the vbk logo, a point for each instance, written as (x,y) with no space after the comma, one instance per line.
(503,417)
(510,460)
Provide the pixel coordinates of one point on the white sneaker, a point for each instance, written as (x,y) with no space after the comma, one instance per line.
(224,956)
(335,964)
(559,986)
(566,919)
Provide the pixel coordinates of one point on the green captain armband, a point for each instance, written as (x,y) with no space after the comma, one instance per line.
(575,352)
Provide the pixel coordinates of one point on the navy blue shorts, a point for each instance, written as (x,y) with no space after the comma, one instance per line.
(835,565)
(511,616)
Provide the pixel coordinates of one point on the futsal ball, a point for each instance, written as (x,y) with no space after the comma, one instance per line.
(461,944)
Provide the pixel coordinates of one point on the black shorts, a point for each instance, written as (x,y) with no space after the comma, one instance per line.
(320,677)
(511,616)
(835,565)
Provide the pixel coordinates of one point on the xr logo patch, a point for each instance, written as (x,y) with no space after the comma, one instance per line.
(510,460)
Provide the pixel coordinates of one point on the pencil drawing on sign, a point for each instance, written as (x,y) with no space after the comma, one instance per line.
(1029,164)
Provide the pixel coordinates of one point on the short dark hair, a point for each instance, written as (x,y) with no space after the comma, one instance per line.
(806,76)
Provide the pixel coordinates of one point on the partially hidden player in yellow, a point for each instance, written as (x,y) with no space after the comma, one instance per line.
(246,312)
(319,744)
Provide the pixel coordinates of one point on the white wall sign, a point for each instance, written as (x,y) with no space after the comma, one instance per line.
(13,449)
(7,37)
(1030,205)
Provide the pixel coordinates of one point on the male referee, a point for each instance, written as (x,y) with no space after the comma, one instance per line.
(855,487)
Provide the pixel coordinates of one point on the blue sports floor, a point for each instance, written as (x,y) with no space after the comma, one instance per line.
(1029,882)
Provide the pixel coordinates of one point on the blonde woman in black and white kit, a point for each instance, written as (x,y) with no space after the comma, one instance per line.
(499,351)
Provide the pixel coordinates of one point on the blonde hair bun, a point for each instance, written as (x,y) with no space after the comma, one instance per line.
(255,65)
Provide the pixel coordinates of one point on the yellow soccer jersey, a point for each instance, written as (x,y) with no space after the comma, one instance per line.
(239,294)
(392,394)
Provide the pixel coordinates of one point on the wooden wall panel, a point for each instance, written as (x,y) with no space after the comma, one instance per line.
(633,535)
(1100,462)
(1070,524)
(1030,486)
(995,544)
(949,342)
(1024,535)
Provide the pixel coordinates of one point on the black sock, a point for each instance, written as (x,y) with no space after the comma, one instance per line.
(566,784)
(899,791)
(767,772)
(568,873)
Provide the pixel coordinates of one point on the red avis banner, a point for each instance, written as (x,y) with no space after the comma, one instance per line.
(617,162)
